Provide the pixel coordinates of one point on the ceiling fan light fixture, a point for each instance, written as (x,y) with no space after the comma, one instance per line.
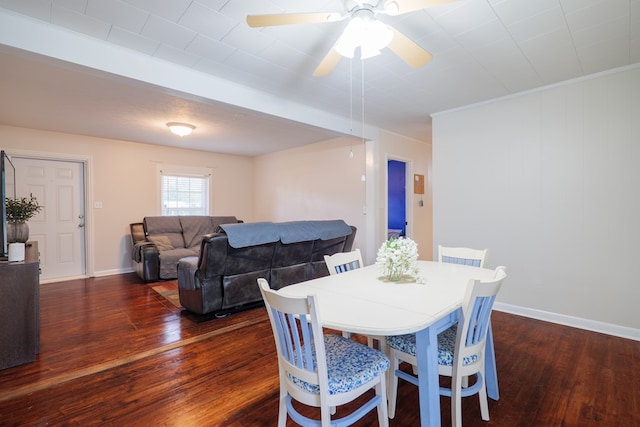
(181,129)
(346,49)
(368,52)
(351,37)
(369,34)
(377,37)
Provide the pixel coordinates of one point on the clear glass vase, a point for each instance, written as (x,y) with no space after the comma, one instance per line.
(394,273)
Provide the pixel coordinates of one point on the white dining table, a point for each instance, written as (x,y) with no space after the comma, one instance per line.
(362,301)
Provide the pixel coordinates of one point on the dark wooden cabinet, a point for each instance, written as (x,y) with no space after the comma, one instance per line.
(19,313)
(31,252)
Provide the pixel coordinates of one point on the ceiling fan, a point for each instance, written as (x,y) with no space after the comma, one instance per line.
(363,31)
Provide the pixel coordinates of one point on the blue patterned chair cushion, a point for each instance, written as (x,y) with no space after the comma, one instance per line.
(446,346)
(350,365)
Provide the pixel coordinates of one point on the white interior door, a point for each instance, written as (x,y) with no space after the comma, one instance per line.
(59,227)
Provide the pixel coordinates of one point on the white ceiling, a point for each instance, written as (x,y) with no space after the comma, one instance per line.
(123,68)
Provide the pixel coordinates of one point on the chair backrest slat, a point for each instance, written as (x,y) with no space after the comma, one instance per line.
(347,267)
(342,262)
(283,336)
(463,261)
(306,344)
(480,315)
(293,328)
(295,335)
(464,256)
(476,312)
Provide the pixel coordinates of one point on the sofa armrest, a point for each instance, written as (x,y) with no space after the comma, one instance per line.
(187,273)
(137,232)
(147,259)
(213,255)
(138,249)
(348,244)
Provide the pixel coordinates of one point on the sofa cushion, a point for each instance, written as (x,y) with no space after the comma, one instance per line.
(193,228)
(292,253)
(165,226)
(242,288)
(169,261)
(162,243)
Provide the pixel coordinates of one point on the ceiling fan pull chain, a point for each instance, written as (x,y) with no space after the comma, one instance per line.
(362,95)
(363,178)
(351,108)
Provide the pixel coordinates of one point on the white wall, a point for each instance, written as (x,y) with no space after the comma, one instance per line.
(123,177)
(548,181)
(317,181)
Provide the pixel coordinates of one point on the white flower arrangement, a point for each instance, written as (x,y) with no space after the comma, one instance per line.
(398,257)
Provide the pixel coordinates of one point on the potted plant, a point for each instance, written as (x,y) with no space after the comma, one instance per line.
(19,211)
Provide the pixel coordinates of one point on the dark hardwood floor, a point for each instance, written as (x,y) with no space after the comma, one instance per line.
(114,352)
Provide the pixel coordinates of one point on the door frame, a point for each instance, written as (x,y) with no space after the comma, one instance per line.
(408,192)
(88,195)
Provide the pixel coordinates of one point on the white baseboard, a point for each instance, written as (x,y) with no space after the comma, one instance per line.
(60,279)
(112,272)
(576,322)
(102,273)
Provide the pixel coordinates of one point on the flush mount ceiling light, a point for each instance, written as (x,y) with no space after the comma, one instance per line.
(181,129)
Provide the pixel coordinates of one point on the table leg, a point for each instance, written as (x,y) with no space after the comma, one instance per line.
(428,383)
(490,371)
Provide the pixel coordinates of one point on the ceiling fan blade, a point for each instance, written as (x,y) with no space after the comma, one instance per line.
(409,51)
(291,18)
(398,7)
(328,63)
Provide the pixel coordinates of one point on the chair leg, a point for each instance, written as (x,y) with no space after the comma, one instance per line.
(370,342)
(484,403)
(381,390)
(325,416)
(392,388)
(346,334)
(282,411)
(456,402)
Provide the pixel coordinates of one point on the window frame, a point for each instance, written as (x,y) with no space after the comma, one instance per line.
(187,172)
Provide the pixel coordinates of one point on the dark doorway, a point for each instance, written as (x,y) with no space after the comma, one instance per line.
(396,198)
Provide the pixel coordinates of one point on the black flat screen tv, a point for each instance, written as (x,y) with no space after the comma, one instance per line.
(7,190)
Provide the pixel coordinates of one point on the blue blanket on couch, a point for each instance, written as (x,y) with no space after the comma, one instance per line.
(258,233)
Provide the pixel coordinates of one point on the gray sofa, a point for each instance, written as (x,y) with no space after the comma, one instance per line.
(223,277)
(159,242)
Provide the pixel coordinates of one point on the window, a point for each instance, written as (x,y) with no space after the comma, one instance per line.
(184,191)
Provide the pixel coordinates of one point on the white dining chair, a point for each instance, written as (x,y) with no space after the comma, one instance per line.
(342,262)
(460,354)
(465,256)
(323,371)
